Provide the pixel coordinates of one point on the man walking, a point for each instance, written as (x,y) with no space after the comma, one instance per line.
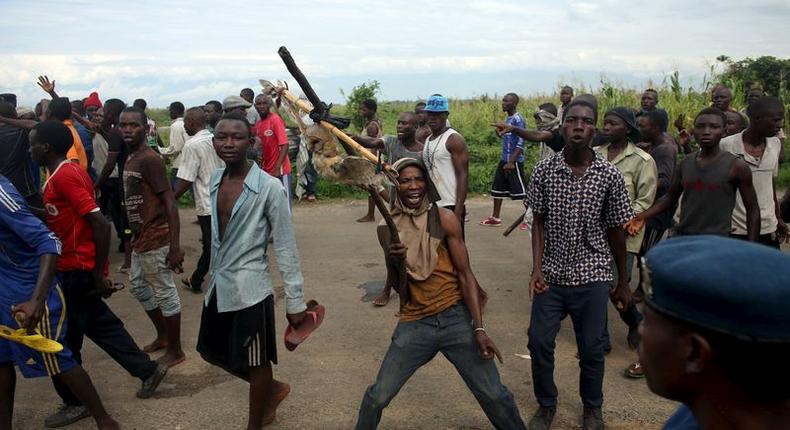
(74,217)
(156,250)
(270,129)
(580,204)
(237,330)
(31,299)
(199,162)
(441,307)
(509,174)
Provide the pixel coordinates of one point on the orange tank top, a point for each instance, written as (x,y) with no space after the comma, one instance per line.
(435,294)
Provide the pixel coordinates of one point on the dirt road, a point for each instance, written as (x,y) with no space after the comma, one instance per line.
(329,373)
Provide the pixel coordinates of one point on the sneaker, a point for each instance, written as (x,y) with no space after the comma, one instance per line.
(491,222)
(542,418)
(634,371)
(593,419)
(66,414)
(153,381)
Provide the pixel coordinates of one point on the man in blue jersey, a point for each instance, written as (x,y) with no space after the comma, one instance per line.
(509,175)
(30,293)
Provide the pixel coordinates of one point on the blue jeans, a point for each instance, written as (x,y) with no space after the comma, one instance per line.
(586,305)
(415,343)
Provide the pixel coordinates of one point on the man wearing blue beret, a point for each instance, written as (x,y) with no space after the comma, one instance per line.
(716,333)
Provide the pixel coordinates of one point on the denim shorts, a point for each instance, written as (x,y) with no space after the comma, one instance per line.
(152,282)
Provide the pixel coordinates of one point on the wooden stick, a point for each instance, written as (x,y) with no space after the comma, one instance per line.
(515,224)
(385,213)
(402,286)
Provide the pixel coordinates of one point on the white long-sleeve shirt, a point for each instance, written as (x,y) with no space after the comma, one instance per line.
(178,136)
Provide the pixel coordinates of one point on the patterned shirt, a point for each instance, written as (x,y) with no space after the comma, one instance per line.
(510,141)
(577,213)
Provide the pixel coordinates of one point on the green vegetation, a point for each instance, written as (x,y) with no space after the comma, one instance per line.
(472,117)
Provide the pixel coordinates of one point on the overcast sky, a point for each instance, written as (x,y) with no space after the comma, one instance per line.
(196,51)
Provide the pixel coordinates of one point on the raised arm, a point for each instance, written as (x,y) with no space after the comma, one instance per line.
(369,142)
(48,87)
(26,124)
(530,135)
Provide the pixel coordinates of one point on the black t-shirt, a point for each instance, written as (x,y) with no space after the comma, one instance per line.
(15,163)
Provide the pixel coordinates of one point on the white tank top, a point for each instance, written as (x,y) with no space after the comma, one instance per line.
(439,162)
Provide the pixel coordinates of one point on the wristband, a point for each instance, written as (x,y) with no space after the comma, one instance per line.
(480,329)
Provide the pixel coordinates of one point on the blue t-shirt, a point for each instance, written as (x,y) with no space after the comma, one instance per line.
(682,419)
(510,141)
(23,239)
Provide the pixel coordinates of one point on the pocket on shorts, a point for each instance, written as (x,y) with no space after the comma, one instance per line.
(153,262)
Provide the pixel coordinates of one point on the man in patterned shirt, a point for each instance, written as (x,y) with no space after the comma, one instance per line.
(580,205)
(509,175)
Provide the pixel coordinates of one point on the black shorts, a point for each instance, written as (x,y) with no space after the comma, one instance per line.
(508,184)
(238,340)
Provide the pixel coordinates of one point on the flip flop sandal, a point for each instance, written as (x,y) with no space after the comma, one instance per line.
(33,341)
(315,316)
(634,371)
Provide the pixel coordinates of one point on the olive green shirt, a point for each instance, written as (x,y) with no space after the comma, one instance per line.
(639,171)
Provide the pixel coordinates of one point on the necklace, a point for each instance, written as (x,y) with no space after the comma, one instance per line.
(430,156)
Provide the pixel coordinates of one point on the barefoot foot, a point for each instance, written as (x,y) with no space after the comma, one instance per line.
(171,359)
(383,298)
(366,218)
(156,345)
(278,393)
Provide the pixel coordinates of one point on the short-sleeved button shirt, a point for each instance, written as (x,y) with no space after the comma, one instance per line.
(577,212)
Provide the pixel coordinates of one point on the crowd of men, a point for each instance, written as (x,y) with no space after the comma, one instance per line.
(597,204)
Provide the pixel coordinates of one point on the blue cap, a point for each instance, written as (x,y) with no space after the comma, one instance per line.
(437,103)
(731,286)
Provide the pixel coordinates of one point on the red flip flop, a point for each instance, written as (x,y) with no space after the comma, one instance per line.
(315,316)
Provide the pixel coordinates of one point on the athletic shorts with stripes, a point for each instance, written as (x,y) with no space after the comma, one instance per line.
(238,340)
(508,184)
(32,363)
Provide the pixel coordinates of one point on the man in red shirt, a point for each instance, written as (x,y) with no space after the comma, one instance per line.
(72,214)
(274,143)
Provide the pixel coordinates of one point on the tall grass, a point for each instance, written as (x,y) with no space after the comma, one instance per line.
(472,118)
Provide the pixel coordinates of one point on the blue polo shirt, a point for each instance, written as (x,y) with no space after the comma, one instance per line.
(510,141)
(23,239)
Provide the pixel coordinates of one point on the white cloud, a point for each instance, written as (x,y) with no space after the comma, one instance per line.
(199,49)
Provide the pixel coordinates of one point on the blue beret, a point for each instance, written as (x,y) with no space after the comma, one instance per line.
(731,286)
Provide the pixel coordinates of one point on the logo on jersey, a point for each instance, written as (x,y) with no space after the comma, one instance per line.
(268,133)
(51,209)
